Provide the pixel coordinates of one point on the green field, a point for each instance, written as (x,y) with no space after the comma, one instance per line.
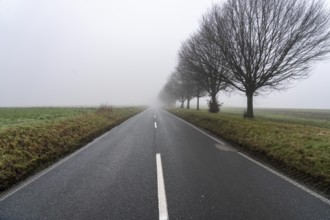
(10,117)
(298,140)
(315,117)
(33,138)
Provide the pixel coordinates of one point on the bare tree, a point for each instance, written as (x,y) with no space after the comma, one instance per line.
(199,60)
(192,87)
(198,92)
(188,87)
(267,44)
(177,88)
(167,96)
(172,92)
(181,88)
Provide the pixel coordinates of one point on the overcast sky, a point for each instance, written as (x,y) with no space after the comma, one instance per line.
(92,52)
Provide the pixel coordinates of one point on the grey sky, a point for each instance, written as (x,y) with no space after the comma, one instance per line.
(74,52)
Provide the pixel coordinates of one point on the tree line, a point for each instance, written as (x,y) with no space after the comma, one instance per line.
(252,46)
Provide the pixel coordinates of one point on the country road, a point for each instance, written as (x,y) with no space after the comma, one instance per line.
(156,166)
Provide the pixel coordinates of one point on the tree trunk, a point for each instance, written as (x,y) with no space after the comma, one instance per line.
(249,112)
(188,103)
(197,102)
(213,104)
(182,104)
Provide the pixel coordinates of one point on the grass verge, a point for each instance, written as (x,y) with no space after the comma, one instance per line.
(28,148)
(303,149)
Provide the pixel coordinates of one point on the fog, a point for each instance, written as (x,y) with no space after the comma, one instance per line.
(82,53)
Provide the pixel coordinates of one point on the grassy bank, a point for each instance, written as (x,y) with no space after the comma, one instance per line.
(36,141)
(300,147)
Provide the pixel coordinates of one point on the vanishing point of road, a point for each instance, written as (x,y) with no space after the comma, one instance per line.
(156,166)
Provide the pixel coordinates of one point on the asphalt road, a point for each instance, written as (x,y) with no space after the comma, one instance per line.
(117,177)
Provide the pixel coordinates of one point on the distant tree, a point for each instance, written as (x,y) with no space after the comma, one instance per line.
(181,88)
(267,44)
(175,89)
(201,61)
(194,87)
(170,92)
(199,92)
(188,87)
(166,96)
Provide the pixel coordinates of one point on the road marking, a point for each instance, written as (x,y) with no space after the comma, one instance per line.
(33,178)
(311,192)
(155,123)
(162,204)
(225,148)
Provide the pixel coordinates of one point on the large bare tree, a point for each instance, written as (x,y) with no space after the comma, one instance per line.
(201,61)
(268,43)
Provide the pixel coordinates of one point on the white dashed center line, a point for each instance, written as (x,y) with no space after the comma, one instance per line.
(162,204)
(155,123)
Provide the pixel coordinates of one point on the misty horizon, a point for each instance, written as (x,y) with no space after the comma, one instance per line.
(73,53)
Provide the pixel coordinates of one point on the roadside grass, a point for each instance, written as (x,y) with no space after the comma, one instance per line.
(300,147)
(29,147)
